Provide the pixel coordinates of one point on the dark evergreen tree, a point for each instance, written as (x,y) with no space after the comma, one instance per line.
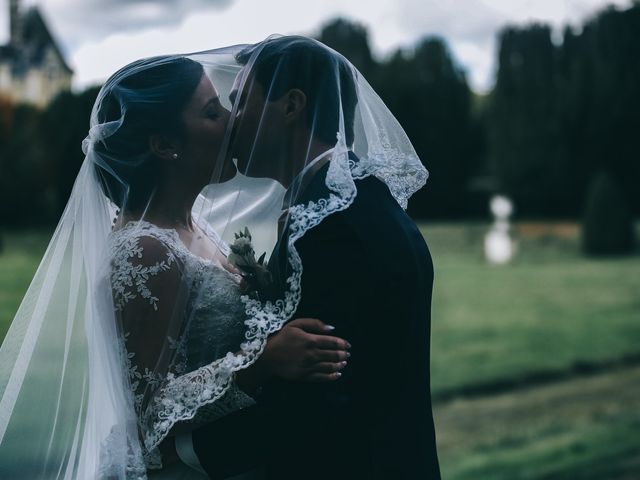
(63,126)
(428,93)
(611,59)
(607,227)
(560,113)
(528,148)
(352,41)
(24,196)
(40,156)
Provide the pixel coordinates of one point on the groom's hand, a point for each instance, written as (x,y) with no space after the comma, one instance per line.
(303,351)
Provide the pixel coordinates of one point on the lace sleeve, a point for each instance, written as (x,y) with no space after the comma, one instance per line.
(152,291)
(147,279)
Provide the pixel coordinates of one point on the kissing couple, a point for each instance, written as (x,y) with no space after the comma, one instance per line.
(156,342)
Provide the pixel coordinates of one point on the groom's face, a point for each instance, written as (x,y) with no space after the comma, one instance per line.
(258,126)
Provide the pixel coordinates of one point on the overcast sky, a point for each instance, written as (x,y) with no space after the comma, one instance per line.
(99,36)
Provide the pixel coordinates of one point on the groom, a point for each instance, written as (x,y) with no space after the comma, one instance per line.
(366,270)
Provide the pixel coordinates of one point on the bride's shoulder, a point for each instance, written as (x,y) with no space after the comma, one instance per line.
(143,243)
(143,258)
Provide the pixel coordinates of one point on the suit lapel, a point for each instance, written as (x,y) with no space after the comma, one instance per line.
(312,188)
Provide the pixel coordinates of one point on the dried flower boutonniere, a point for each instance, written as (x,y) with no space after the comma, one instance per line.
(254,272)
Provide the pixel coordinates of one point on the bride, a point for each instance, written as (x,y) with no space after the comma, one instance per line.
(136,328)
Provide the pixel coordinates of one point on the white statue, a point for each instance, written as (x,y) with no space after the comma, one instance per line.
(498,245)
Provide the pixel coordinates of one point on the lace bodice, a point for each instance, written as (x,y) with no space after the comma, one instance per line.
(179,315)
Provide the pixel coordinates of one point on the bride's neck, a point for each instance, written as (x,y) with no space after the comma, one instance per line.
(170,206)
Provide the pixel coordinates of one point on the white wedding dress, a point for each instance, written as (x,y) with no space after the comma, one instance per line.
(214,325)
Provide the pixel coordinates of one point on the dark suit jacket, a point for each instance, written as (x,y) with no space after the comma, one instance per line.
(368,272)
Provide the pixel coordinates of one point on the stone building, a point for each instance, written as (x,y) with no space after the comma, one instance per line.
(32,67)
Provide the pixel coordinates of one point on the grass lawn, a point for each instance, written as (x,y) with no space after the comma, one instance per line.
(547,311)
(584,428)
(18,262)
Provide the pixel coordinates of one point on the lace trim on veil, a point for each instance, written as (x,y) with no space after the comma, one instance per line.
(403,174)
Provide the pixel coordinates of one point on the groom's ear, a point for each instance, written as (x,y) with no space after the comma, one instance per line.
(162,146)
(295,102)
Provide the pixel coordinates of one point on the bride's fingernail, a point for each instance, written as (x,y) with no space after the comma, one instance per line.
(338,374)
(330,327)
(348,345)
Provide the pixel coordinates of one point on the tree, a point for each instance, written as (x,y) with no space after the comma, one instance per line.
(40,156)
(428,93)
(63,141)
(560,113)
(608,224)
(352,41)
(23,175)
(527,142)
(611,49)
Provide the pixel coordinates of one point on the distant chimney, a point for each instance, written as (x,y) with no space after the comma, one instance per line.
(15,23)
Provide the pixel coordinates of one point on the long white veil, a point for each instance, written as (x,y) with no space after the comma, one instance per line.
(68,407)
(55,396)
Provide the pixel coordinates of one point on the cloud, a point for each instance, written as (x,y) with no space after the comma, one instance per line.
(240,22)
(80,21)
(468,20)
(102,35)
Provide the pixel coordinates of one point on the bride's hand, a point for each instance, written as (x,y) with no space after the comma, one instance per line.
(302,350)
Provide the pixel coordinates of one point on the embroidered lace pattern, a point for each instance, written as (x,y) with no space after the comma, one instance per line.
(119,458)
(192,381)
(403,173)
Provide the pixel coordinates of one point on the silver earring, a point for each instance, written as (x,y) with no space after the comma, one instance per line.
(174,156)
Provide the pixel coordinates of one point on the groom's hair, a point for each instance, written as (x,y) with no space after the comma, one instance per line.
(326,78)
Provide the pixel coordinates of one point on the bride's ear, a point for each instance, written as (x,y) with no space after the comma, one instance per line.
(163,147)
(295,103)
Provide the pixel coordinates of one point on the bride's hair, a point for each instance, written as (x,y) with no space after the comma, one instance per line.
(142,99)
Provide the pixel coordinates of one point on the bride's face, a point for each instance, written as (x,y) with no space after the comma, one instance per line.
(205,122)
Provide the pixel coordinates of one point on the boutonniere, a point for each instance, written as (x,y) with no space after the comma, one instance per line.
(254,272)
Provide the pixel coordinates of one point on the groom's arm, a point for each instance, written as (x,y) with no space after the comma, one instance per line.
(334,269)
